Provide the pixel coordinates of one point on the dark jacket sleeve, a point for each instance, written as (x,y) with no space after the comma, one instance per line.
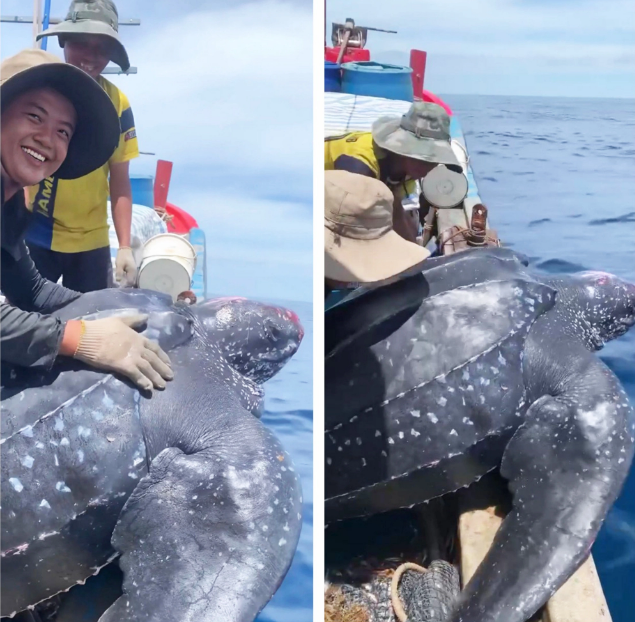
(27,289)
(27,338)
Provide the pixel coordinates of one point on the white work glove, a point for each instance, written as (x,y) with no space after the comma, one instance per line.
(125,267)
(111,344)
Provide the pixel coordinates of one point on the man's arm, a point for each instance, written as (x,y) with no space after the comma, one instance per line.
(402,223)
(29,339)
(121,202)
(25,288)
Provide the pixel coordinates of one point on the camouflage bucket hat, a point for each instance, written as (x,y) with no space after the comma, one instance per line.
(423,133)
(93,17)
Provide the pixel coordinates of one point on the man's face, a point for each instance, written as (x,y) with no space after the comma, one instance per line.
(417,169)
(90,53)
(37,128)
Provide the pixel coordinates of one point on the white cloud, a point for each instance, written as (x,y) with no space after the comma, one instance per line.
(224,89)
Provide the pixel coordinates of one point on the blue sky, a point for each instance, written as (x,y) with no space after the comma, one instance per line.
(574,48)
(230,103)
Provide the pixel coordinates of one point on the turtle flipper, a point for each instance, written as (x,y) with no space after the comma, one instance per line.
(209,535)
(566,466)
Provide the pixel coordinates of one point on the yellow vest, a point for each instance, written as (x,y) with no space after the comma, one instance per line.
(356,152)
(70,215)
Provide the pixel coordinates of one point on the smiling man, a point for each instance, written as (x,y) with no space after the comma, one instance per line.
(69,234)
(57,121)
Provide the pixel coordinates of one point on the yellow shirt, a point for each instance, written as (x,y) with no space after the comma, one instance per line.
(70,215)
(356,152)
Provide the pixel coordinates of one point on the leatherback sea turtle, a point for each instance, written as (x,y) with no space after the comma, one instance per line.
(478,364)
(194,495)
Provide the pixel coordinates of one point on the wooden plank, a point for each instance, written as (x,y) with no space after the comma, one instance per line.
(580,599)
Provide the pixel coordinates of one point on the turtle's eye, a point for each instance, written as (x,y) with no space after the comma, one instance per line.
(273,332)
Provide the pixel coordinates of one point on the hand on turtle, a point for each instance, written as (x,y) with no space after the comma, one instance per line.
(125,267)
(111,344)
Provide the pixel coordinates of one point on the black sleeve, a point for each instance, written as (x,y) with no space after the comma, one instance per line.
(25,288)
(353,165)
(27,338)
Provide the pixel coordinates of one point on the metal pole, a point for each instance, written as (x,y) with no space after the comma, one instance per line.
(36,21)
(45,21)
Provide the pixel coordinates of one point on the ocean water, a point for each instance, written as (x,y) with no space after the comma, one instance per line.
(558,178)
(289,413)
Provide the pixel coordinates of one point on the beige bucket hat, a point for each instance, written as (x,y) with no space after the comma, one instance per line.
(423,133)
(94,17)
(359,242)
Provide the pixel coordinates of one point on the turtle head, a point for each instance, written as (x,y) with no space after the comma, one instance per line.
(256,339)
(608,305)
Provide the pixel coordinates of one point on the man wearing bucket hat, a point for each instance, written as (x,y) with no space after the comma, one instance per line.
(397,151)
(57,120)
(68,237)
(360,245)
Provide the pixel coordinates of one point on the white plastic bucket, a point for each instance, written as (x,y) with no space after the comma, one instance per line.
(167,265)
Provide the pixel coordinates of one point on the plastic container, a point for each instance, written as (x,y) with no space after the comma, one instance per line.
(167,265)
(378,80)
(142,190)
(332,77)
(351,55)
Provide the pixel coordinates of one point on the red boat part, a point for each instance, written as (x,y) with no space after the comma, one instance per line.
(162,182)
(418,64)
(431,97)
(352,55)
(181,221)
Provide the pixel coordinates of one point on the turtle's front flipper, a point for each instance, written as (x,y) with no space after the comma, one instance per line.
(210,535)
(565,466)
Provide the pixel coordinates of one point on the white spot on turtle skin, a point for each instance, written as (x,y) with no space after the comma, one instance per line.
(415,433)
(59,424)
(80,456)
(39,445)
(27,431)
(400,434)
(28,461)
(62,487)
(329,461)
(282,542)
(390,441)
(453,432)
(415,413)
(442,401)
(45,504)
(16,483)
(432,417)
(83,432)
(56,460)
(65,442)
